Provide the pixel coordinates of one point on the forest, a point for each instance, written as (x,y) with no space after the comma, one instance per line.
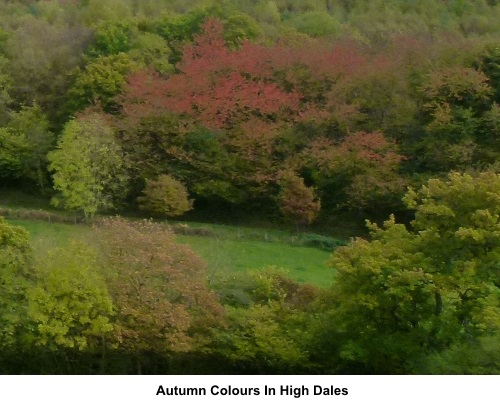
(364,130)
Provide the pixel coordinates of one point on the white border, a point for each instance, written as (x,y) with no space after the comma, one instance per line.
(141,390)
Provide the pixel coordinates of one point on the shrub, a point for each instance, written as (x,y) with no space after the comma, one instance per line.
(298,202)
(165,196)
(321,242)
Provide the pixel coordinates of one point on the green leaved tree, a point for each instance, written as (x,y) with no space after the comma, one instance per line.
(100,82)
(411,293)
(24,143)
(69,305)
(16,271)
(89,167)
(165,196)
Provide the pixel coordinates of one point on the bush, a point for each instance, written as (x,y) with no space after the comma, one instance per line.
(321,242)
(298,202)
(165,196)
(39,215)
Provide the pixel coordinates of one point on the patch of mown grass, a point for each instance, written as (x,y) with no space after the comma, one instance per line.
(224,256)
(241,233)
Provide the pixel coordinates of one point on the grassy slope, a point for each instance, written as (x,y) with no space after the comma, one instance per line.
(222,255)
(235,248)
(46,236)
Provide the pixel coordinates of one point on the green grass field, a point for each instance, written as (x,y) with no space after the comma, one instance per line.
(46,236)
(225,248)
(223,255)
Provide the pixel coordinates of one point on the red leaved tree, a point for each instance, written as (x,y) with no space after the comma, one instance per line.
(369,161)
(248,99)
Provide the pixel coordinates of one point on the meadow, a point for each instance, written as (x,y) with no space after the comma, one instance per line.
(225,248)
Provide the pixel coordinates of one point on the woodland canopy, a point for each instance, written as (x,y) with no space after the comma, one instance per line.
(293,112)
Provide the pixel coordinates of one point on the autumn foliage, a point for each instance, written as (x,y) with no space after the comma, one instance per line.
(158,288)
(260,107)
(220,86)
(298,202)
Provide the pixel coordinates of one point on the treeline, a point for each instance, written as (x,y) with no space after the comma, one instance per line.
(292,108)
(413,300)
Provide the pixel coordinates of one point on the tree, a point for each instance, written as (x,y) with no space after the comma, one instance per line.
(490,66)
(265,338)
(316,24)
(100,82)
(89,166)
(408,294)
(180,29)
(112,38)
(297,201)
(68,304)
(96,11)
(459,218)
(25,141)
(382,303)
(479,357)
(269,322)
(454,101)
(158,286)
(16,275)
(41,59)
(363,166)
(152,50)
(5,84)
(213,85)
(165,196)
